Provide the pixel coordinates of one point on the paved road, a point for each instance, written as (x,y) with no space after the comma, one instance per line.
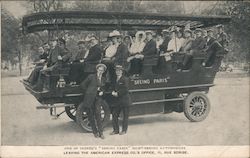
(227,123)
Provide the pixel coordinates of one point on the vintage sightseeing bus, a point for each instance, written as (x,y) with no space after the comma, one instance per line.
(155,90)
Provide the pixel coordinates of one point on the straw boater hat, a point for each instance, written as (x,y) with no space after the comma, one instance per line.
(149,32)
(209,30)
(114,33)
(219,26)
(101,65)
(119,67)
(198,30)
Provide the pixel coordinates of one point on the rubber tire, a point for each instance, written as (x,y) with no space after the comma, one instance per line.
(186,106)
(70,115)
(80,119)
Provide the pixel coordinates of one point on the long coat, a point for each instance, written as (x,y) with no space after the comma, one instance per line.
(57,51)
(121,87)
(90,87)
(121,56)
(93,58)
(199,43)
(150,48)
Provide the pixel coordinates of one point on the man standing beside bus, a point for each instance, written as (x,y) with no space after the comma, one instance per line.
(121,101)
(93,87)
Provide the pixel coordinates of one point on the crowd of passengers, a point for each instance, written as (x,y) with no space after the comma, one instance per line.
(129,51)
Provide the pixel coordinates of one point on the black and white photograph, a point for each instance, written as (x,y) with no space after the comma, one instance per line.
(132,78)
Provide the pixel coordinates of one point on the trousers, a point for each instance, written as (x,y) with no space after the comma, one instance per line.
(115,114)
(94,116)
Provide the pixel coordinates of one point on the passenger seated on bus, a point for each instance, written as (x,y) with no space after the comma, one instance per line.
(122,52)
(135,53)
(204,34)
(76,74)
(210,49)
(149,52)
(186,46)
(109,57)
(197,46)
(159,40)
(59,57)
(180,37)
(93,56)
(166,38)
(127,40)
(221,36)
(39,62)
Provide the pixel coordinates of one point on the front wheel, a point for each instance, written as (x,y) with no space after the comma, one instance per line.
(82,116)
(196,106)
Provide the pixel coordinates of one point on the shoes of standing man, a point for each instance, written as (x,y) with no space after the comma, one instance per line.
(114,132)
(102,136)
(123,132)
(96,135)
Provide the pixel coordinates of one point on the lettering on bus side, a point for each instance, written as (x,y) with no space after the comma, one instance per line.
(151,81)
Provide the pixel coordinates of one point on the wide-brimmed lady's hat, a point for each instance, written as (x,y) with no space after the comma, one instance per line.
(115,33)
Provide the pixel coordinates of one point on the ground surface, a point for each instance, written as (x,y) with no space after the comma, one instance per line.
(227,123)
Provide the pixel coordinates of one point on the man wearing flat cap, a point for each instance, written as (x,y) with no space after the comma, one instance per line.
(93,88)
(221,35)
(121,101)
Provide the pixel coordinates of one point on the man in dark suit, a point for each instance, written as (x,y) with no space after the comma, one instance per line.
(150,48)
(93,87)
(122,52)
(222,36)
(121,101)
(93,56)
(198,44)
(59,56)
(212,46)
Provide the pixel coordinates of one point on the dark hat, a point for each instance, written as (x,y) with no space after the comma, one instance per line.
(119,67)
(101,65)
(198,30)
(61,40)
(81,42)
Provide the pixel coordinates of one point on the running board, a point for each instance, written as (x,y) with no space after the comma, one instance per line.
(157,101)
(53,106)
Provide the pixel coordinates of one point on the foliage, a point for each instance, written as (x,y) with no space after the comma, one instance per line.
(238,29)
(9,36)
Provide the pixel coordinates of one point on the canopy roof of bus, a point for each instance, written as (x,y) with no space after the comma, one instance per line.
(92,21)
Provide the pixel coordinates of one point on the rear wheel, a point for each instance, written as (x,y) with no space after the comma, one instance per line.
(196,106)
(82,117)
(71,112)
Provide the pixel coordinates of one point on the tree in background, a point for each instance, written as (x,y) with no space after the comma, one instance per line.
(238,29)
(9,36)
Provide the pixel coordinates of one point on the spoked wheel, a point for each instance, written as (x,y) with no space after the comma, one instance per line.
(71,111)
(196,106)
(82,117)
